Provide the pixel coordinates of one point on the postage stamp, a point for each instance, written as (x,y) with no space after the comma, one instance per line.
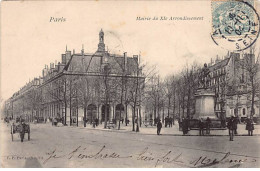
(235,24)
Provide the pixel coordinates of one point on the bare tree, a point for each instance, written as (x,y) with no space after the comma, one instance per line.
(250,64)
(84,95)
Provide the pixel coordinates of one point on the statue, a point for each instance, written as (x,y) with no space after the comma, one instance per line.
(204,77)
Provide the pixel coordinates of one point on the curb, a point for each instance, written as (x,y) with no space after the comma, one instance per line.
(132,132)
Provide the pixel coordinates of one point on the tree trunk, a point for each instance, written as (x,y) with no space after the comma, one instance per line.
(65,117)
(105,124)
(155,112)
(169,105)
(173,110)
(140,117)
(77,116)
(70,111)
(137,121)
(119,118)
(133,118)
(253,99)
(98,112)
(126,115)
(85,116)
(158,108)
(163,114)
(183,105)
(70,103)
(106,103)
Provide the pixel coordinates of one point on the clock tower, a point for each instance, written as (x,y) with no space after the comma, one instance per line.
(101,45)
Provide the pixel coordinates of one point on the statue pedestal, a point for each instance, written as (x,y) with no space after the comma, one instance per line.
(204,108)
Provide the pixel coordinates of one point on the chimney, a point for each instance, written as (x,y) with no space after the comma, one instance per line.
(63,58)
(56,67)
(211,61)
(135,57)
(68,56)
(51,65)
(217,59)
(44,72)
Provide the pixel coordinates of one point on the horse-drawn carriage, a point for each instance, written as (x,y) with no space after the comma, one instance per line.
(20,128)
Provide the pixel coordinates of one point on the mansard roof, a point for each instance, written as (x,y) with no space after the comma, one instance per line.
(220,64)
(92,63)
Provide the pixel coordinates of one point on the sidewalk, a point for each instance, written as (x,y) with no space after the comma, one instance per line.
(174,131)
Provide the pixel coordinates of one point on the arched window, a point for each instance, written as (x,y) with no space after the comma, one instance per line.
(74,111)
(244,111)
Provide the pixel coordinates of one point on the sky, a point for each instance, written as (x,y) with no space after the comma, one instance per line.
(29,40)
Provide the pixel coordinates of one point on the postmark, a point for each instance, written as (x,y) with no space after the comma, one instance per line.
(235,24)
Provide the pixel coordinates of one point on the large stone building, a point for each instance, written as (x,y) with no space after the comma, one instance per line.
(83,85)
(230,80)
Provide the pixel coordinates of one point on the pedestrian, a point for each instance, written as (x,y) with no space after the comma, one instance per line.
(185,126)
(55,121)
(166,121)
(223,122)
(208,123)
(159,127)
(96,121)
(22,129)
(230,126)
(249,126)
(52,121)
(151,122)
(201,127)
(180,124)
(235,125)
(171,121)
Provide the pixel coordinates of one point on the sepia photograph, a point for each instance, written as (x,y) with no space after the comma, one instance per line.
(130,84)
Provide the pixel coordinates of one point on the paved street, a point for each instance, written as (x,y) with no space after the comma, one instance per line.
(88,147)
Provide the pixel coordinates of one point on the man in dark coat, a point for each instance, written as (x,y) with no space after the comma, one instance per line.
(201,127)
(231,127)
(249,126)
(22,126)
(185,125)
(171,121)
(159,127)
(166,120)
(96,121)
(208,123)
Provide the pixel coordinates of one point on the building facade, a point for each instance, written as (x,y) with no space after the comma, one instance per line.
(83,86)
(231,82)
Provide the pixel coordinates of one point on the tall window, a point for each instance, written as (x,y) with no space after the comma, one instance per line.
(231,112)
(74,111)
(244,111)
